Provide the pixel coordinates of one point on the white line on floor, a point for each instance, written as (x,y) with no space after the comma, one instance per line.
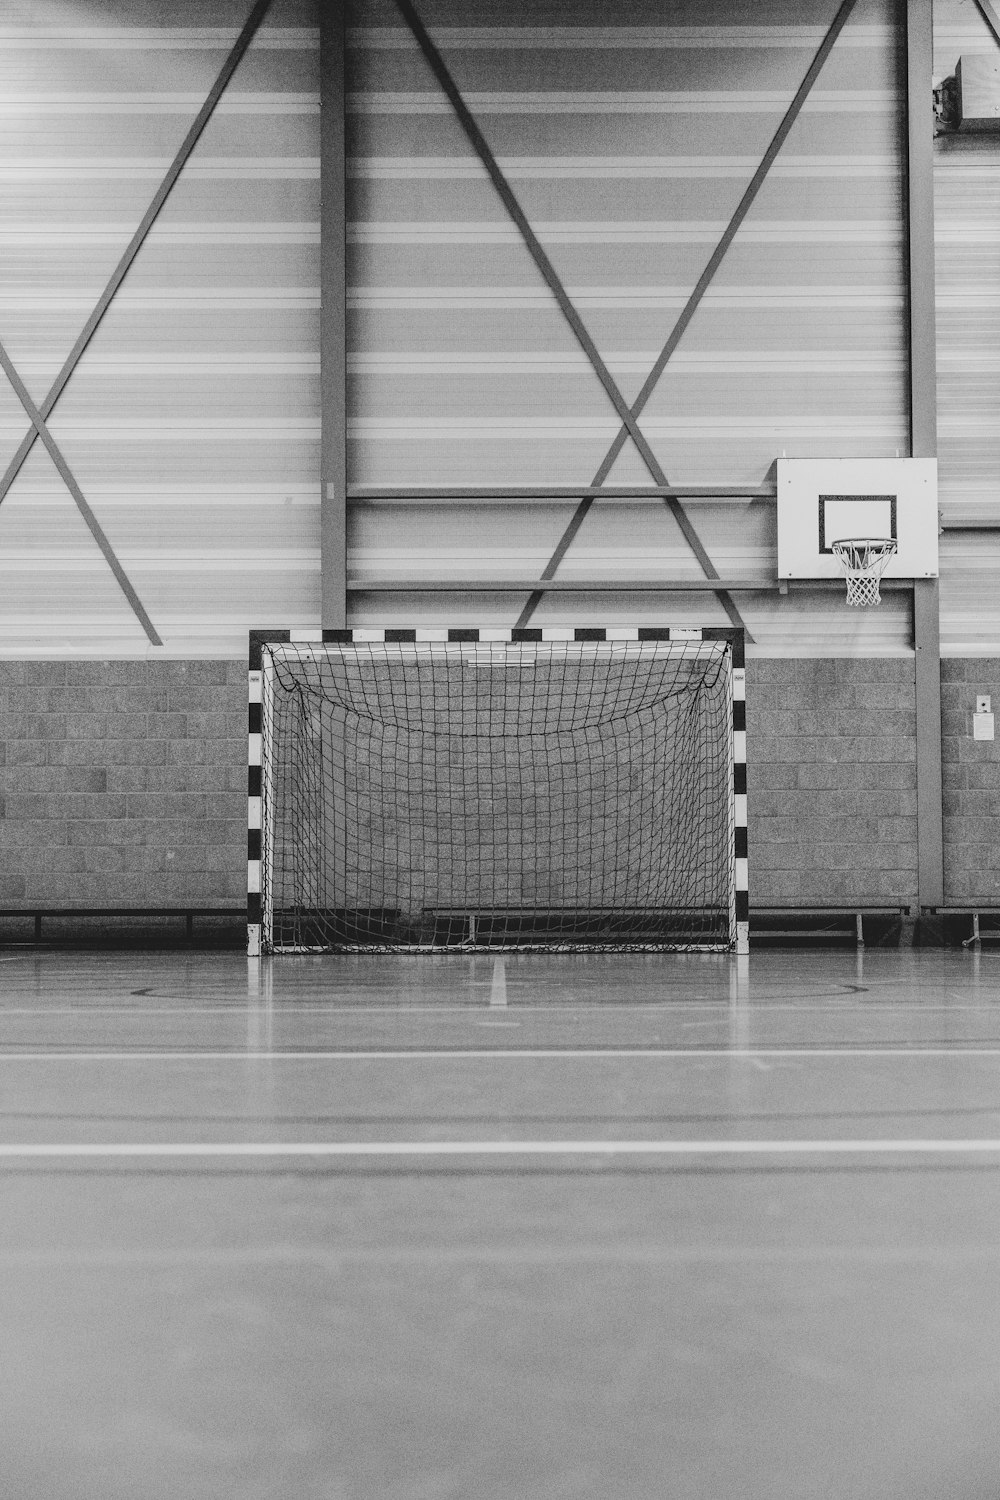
(9,1151)
(498,988)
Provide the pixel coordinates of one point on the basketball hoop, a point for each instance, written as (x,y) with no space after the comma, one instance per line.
(864,560)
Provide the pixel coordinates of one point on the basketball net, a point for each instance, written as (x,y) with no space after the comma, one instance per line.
(864,560)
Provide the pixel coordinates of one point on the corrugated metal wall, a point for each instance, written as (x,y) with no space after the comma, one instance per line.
(192,421)
(967,211)
(629,148)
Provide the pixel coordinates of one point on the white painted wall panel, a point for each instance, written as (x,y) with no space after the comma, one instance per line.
(967,234)
(629,148)
(192,422)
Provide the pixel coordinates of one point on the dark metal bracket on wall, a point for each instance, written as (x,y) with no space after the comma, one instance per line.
(39,414)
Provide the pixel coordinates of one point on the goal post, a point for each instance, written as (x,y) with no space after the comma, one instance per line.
(462,790)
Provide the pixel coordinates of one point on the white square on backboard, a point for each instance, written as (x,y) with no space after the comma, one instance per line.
(822,500)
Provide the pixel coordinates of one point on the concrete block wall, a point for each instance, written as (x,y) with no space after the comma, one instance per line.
(123,783)
(831,751)
(971,775)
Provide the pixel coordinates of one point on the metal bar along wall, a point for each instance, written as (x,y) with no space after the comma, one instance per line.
(333,314)
(919,24)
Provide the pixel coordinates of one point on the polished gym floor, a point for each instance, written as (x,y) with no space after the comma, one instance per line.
(538,1228)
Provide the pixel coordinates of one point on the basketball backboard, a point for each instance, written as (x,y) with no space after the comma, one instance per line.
(826,500)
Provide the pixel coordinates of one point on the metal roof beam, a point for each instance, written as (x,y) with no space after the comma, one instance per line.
(517,492)
(398,585)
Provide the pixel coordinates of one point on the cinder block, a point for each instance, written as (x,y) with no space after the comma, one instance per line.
(978,752)
(983,776)
(37,700)
(768,804)
(84,727)
(199,673)
(125,779)
(763,748)
(168,726)
(86,805)
(227,752)
(92,832)
(763,776)
(67,859)
(148,752)
(764,699)
(30,726)
(25,753)
(862,749)
(41,673)
(128,726)
(20,806)
(816,777)
(108,859)
(226,805)
(126,673)
(147,805)
(229,724)
(205,700)
(229,860)
(35,778)
(31,833)
(888,669)
(200,886)
(883,696)
(899,831)
(85,778)
(865,723)
(193,752)
(774,722)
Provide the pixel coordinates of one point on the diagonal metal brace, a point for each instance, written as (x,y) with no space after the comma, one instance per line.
(40,430)
(698,292)
(538,255)
(548,272)
(729,234)
(229,67)
(990,16)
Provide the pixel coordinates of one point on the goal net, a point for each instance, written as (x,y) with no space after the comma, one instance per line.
(435,795)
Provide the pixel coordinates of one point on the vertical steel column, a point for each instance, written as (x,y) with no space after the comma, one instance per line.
(918,20)
(333,316)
